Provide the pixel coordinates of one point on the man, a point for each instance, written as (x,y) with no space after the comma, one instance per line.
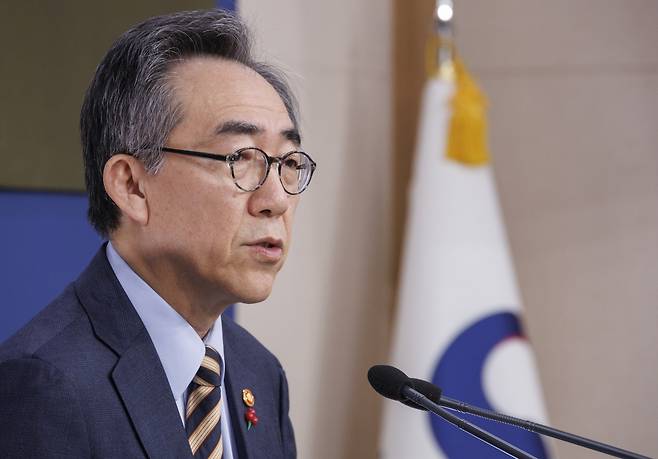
(134,359)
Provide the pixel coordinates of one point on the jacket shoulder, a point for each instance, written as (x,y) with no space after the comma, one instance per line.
(40,415)
(47,326)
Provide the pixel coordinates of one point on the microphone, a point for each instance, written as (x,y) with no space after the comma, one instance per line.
(386,381)
(394,384)
(433,393)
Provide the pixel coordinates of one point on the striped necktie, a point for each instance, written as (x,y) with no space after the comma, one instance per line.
(204,408)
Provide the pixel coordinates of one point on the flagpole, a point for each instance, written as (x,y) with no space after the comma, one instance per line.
(442,46)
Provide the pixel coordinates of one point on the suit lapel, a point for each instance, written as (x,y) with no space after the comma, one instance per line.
(143,387)
(138,374)
(238,376)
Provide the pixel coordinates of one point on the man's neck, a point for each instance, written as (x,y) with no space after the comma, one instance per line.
(200,311)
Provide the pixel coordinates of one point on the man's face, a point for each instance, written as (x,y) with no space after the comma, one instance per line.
(210,236)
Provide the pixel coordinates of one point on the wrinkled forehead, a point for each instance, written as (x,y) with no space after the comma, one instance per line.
(205,83)
(212,93)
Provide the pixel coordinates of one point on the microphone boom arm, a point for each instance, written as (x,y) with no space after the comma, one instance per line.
(481,434)
(456,405)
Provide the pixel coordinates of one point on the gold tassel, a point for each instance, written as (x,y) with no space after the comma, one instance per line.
(467,135)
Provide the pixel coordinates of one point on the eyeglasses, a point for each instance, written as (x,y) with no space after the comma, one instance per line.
(250,167)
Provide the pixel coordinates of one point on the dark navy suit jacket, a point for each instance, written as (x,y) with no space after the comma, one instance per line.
(83,379)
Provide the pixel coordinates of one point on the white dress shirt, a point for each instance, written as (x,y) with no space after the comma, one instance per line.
(179,347)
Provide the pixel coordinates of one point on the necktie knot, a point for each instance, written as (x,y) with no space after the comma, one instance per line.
(210,371)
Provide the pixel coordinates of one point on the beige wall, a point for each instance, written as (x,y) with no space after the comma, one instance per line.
(573,88)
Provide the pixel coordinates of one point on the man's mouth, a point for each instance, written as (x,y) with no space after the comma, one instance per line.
(268,243)
(268,250)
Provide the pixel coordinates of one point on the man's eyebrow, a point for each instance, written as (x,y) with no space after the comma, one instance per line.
(245,128)
(293,136)
(238,127)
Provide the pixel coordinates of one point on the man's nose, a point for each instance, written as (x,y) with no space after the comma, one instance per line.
(270,199)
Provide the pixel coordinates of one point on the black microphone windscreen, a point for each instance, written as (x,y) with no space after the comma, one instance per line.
(388,381)
(428,389)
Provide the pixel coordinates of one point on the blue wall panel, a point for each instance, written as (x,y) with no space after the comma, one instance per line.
(226,4)
(45,242)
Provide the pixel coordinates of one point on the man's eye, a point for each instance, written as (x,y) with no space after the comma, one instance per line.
(292,164)
(246,155)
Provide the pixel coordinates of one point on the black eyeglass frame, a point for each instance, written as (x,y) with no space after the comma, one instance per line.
(229,159)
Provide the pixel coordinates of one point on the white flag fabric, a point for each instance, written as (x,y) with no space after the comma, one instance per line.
(458,310)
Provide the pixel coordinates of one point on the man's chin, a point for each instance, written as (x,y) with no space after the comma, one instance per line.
(247,285)
(254,293)
(253,298)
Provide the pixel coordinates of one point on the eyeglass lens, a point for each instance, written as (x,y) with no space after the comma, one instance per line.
(250,165)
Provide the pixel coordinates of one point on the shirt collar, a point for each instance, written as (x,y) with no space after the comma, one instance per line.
(178,346)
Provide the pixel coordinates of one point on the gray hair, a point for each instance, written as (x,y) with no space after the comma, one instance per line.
(129,106)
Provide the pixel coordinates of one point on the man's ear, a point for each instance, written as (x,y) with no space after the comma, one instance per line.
(124,178)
